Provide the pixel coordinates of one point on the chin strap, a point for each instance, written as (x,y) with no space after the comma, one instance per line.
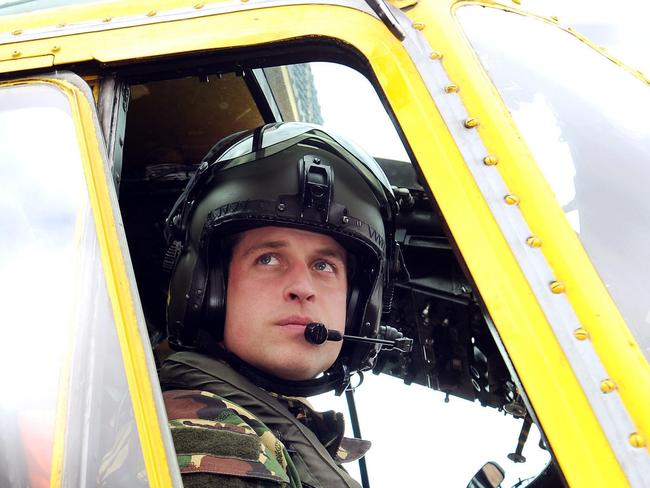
(336,378)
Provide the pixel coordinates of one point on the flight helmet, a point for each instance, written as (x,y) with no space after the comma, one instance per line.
(283,174)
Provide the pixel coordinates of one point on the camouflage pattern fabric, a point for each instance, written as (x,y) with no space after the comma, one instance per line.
(213,436)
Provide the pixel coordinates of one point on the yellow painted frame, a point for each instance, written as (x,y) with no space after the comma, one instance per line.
(98,180)
(612,340)
(577,440)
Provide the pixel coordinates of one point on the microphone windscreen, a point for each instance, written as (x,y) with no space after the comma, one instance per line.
(316,333)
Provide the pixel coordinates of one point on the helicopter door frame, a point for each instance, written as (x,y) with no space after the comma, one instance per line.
(102,265)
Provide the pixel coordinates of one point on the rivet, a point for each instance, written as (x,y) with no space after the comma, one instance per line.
(607,386)
(151,13)
(554,18)
(107,19)
(557,287)
(56,49)
(534,241)
(17,32)
(418,26)
(452,88)
(435,54)
(345,219)
(471,123)
(15,54)
(518,2)
(581,334)
(281,207)
(637,440)
(511,199)
(490,160)
(61,25)
(199,5)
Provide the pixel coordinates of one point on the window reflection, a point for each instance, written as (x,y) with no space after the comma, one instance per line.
(38,206)
(584,121)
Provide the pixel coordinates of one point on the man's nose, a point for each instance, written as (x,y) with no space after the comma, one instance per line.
(299,285)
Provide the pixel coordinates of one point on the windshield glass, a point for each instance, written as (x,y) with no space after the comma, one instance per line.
(585,121)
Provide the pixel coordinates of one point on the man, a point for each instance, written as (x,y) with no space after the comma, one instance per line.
(280,229)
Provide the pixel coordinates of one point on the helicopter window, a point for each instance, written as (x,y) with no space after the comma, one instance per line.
(59,337)
(319,82)
(456,353)
(584,119)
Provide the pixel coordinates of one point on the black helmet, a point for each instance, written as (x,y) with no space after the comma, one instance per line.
(285,174)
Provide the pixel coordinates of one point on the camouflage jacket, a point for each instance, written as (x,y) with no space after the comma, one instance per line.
(228,432)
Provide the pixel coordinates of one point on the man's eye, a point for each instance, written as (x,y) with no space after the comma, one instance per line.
(267,260)
(324,266)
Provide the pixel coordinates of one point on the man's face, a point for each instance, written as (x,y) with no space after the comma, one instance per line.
(279,280)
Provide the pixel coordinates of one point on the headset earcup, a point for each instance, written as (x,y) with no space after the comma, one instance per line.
(214,309)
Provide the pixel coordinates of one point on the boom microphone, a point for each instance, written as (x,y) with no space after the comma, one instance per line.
(317,333)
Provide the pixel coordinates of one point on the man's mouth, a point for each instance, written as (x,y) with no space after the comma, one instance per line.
(295,321)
